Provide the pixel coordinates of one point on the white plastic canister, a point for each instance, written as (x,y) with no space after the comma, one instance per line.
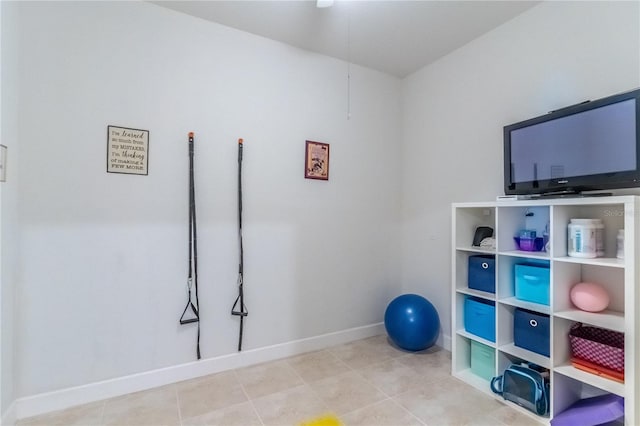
(586,238)
(620,240)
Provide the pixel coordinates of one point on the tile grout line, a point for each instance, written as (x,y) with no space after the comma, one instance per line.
(235,374)
(354,370)
(498,420)
(179,411)
(374,386)
(367,406)
(331,354)
(389,397)
(340,360)
(104,407)
(307,384)
(408,411)
(405,408)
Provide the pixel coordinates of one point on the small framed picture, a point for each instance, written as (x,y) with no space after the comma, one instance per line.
(316,163)
(127,150)
(3,163)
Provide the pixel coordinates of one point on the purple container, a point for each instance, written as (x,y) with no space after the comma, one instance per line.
(591,411)
(529,244)
(526,244)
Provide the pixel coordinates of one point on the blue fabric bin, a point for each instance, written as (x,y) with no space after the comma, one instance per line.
(483,360)
(531,331)
(532,283)
(482,273)
(480,318)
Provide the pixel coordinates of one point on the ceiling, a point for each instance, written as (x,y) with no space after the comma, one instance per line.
(396,37)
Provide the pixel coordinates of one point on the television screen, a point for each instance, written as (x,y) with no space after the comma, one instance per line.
(593,145)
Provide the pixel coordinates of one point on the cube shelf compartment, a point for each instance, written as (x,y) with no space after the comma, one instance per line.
(473,363)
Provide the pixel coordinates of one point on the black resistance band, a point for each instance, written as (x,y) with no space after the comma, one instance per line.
(192,279)
(242,311)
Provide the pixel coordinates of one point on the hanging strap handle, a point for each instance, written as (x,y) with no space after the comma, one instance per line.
(190,304)
(192,280)
(242,310)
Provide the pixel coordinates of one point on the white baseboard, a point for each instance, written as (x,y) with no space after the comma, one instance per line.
(444,341)
(9,417)
(65,398)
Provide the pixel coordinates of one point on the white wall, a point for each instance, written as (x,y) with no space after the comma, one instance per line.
(102,265)
(104,256)
(554,55)
(8,203)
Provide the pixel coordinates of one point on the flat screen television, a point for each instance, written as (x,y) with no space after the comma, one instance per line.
(594,145)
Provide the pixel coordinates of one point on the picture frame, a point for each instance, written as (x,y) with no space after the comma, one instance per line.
(127,151)
(316,163)
(3,163)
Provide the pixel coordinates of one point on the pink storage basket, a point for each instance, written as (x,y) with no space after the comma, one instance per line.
(598,345)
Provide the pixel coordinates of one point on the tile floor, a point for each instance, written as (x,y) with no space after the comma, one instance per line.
(366,382)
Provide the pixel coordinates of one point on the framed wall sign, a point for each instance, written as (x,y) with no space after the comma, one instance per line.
(316,163)
(127,150)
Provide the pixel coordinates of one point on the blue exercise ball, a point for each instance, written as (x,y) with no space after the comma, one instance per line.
(412,322)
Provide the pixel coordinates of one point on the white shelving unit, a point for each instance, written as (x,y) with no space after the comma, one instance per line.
(620,277)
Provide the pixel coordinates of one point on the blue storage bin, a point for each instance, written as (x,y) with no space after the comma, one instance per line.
(482,273)
(532,283)
(480,318)
(531,331)
(483,360)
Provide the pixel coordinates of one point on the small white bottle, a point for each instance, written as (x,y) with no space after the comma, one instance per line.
(582,240)
(620,252)
(599,225)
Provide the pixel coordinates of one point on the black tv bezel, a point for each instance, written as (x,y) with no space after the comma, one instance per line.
(574,184)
